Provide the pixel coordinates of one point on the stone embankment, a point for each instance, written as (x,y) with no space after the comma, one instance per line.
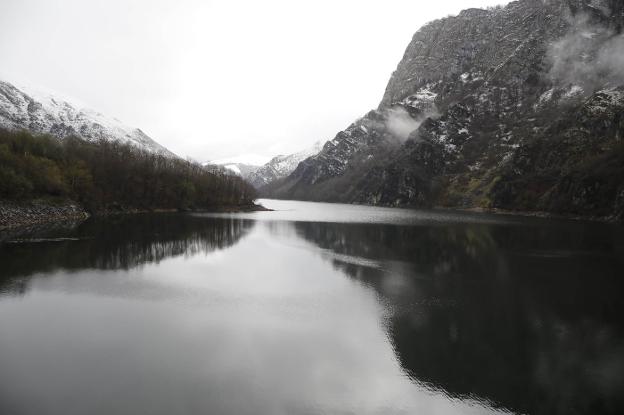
(15,214)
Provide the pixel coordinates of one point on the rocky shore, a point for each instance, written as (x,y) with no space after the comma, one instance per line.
(24,214)
(20,214)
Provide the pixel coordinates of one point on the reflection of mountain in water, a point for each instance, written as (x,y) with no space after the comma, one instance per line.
(526,317)
(121,242)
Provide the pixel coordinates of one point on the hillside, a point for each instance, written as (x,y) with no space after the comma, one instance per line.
(518,108)
(45,113)
(104,177)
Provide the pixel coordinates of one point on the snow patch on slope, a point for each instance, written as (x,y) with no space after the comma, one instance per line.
(248,159)
(281,166)
(46,112)
(423,99)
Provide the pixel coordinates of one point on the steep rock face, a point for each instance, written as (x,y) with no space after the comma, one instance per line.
(49,114)
(280,166)
(516,108)
(575,166)
(367,143)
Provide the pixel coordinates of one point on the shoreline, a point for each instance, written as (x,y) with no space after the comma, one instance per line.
(537,214)
(481,210)
(214,209)
(16,215)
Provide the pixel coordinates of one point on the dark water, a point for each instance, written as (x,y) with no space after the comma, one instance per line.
(314,309)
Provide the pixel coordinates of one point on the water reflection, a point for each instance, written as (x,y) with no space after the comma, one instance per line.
(198,314)
(113,243)
(264,327)
(529,318)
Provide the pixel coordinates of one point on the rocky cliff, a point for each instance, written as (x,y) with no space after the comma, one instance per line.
(518,107)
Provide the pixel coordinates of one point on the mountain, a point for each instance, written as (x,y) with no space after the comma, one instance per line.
(258,173)
(50,114)
(239,169)
(242,165)
(280,166)
(517,107)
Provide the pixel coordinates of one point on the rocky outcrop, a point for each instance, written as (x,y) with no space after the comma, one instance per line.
(517,108)
(20,214)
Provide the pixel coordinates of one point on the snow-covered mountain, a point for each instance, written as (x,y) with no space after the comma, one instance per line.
(42,112)
(240,169)
(246,159)
(281,166)
(257,171)
(517,107)
(243,165)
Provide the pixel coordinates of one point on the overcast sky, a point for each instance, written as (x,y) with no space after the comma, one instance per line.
(214,79)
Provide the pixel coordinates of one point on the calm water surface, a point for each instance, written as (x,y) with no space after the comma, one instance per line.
(313,309)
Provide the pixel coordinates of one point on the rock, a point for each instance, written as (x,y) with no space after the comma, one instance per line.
(517,108)
(16,214)
(280,166)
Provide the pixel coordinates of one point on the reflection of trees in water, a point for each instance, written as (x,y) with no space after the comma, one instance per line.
(530,318)
(120,242)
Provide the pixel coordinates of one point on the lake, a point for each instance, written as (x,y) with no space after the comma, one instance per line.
(313,309)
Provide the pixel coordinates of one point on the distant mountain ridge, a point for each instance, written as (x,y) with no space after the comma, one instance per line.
(517,107)
(260,176)
(46,113)
(240,169)
(280,166)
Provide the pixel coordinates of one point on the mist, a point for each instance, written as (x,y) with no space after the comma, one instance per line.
(401,124)
(589,55)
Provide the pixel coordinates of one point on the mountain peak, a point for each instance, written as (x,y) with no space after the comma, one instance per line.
(46,112)
(281,166)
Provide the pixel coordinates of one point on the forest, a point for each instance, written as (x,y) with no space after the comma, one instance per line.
(107,176)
